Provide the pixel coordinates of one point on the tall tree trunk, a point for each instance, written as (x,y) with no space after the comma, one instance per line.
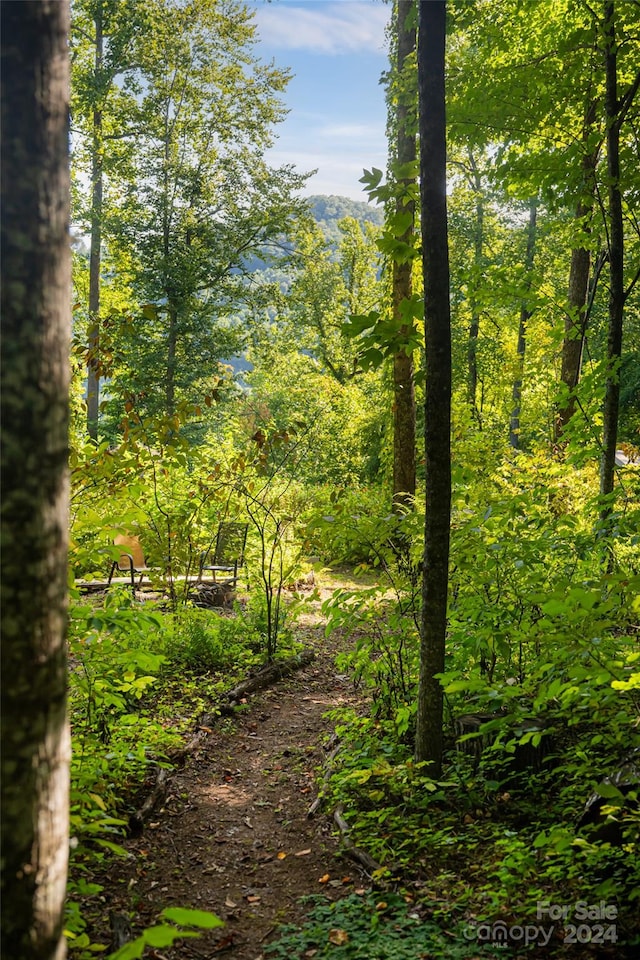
(474,326)
(575,323)
(525,316)
(36,284)
(435,257)
(95,253)
(616,262)
(172,310)
(404,404)
(93,333)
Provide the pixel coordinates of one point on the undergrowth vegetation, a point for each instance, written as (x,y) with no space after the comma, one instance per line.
(364,926)
(538,800)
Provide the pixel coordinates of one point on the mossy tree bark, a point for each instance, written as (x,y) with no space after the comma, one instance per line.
(36,286)
(95,254)
(435,256)
(404,403)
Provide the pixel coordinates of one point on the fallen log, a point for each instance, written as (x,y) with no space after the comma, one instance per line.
(138,819)
(263,678)
(268,675)
(317,803)
(370,865)
(179,757)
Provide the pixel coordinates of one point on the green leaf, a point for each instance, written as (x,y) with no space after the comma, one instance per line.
(371,178)
(192,918)
(113,847)
(371,359)
(554,608)
(164,936)
(130,951)
(609,791)
(541,840)
(358,323)
(400,223)
(457,686)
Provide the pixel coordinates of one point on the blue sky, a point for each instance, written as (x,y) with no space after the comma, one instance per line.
(336,50)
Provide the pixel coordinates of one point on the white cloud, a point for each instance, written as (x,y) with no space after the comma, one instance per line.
(350,131)
(326,26)
(338,171)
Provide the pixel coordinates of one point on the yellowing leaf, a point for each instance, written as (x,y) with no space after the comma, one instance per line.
(338,937)
(281,855)
(633,683)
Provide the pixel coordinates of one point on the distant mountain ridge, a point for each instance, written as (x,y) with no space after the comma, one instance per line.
(327,210)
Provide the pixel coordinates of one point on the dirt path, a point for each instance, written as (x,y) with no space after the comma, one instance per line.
(233,836)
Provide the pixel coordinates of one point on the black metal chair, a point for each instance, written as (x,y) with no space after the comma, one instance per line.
(226,555)
(130,562)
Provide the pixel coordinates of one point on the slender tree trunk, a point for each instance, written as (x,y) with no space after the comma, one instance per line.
(93,333)
(574,333)
(172,344)
(36,284)
(474,326)
(616,263)
(525,316)
(431,81)
(575,324)
(404,404)
(404,432)
(172,310)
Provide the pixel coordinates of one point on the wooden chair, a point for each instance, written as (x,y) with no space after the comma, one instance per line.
(227,555)
(131,560)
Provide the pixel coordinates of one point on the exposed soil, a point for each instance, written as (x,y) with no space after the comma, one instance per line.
(233,835)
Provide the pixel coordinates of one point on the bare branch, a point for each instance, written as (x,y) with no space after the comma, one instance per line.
(631,286)
(627,100)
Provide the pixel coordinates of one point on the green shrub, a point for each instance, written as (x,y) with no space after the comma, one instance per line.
(204,641)
(354,525)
